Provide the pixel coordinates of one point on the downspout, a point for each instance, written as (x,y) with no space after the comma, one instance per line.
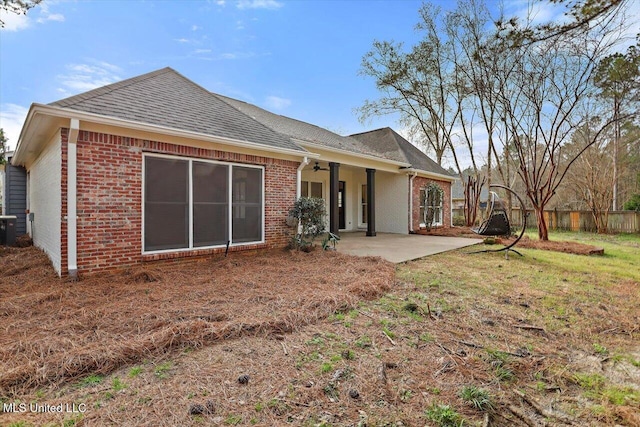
(411,177)
(305,162)
(72,219)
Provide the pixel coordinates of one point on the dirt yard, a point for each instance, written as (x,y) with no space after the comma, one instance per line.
(324,339)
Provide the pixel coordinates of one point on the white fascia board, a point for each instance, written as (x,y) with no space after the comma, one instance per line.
(434,175)
(21,145)
(112,121)
(306,144)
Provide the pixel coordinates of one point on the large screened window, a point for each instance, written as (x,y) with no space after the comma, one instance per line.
(210,204)
(247,204)
(166,207)
(196,204)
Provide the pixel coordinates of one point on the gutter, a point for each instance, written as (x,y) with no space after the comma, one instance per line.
(431,174)
(403,165)
(305,162)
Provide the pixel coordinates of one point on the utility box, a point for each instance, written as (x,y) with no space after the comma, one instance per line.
(8,230)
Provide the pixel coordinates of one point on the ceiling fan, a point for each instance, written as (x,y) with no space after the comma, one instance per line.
(317,168)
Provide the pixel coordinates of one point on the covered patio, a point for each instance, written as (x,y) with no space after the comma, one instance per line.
(399,248)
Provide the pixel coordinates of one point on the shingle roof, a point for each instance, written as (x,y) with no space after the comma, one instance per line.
(166,98)
(300,130)
(391,145)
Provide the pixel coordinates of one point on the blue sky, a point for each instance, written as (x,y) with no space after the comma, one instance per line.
(296,58)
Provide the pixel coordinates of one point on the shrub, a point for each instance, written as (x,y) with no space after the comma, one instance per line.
(458,221)
(633,204)
(308,216)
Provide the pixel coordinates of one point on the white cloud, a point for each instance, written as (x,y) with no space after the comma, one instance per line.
(183,40)
(239,25)
(536,13)
(12,118)
(201,51)
(57,17)
(277,103)
(195,28)
(13,22)
(17,22)
(84,77)
(259,4)
(221,3)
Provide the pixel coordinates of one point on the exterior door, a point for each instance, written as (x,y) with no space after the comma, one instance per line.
(342,204)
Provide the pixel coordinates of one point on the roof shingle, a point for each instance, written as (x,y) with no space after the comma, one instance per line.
(391,145)
(166,98)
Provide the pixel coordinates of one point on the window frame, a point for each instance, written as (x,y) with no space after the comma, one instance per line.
(362,211)
(230,166)
(423,208)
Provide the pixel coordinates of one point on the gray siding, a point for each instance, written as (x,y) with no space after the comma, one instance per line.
(15,196)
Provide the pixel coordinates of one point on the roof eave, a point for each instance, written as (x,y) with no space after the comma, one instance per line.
(67,113)
(351,153)
(431,174)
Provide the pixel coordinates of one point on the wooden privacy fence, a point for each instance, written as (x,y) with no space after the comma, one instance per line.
(618,222)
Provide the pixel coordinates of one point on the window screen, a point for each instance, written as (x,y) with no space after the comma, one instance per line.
(247,204)
(166,204)
(210,204)
(224,197)
(316,190)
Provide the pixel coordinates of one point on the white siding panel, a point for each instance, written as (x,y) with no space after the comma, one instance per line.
(45,200)
(392,203)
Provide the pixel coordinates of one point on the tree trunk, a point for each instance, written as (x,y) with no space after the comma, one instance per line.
(543,231)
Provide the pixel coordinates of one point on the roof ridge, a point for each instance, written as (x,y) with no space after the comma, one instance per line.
(103,90)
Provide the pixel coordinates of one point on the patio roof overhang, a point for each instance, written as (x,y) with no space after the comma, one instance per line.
(349,158)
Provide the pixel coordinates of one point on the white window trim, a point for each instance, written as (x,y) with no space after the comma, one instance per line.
(360,207)
(190,161)
(435,223)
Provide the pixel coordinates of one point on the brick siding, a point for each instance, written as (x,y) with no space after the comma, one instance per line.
(109,208)
(421,182)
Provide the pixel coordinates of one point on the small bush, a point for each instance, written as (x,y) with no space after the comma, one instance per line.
(308,216)
(458,221)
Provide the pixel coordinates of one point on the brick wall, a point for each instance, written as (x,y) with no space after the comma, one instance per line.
(109,198)
(421,182)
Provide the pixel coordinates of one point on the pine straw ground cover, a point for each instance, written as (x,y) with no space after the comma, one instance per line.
(56,331)
(460,339)
(566,246)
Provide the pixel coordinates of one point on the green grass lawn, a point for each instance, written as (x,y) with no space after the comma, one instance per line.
(621,257)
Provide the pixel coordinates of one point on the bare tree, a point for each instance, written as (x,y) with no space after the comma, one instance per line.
(582,14)
(618,77)
(428,87)
(541,103)
(591,174)
(416,84)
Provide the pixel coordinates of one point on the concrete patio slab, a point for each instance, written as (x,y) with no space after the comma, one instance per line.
(399,248)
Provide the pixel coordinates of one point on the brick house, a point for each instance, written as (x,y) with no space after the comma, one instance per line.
(157,167)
